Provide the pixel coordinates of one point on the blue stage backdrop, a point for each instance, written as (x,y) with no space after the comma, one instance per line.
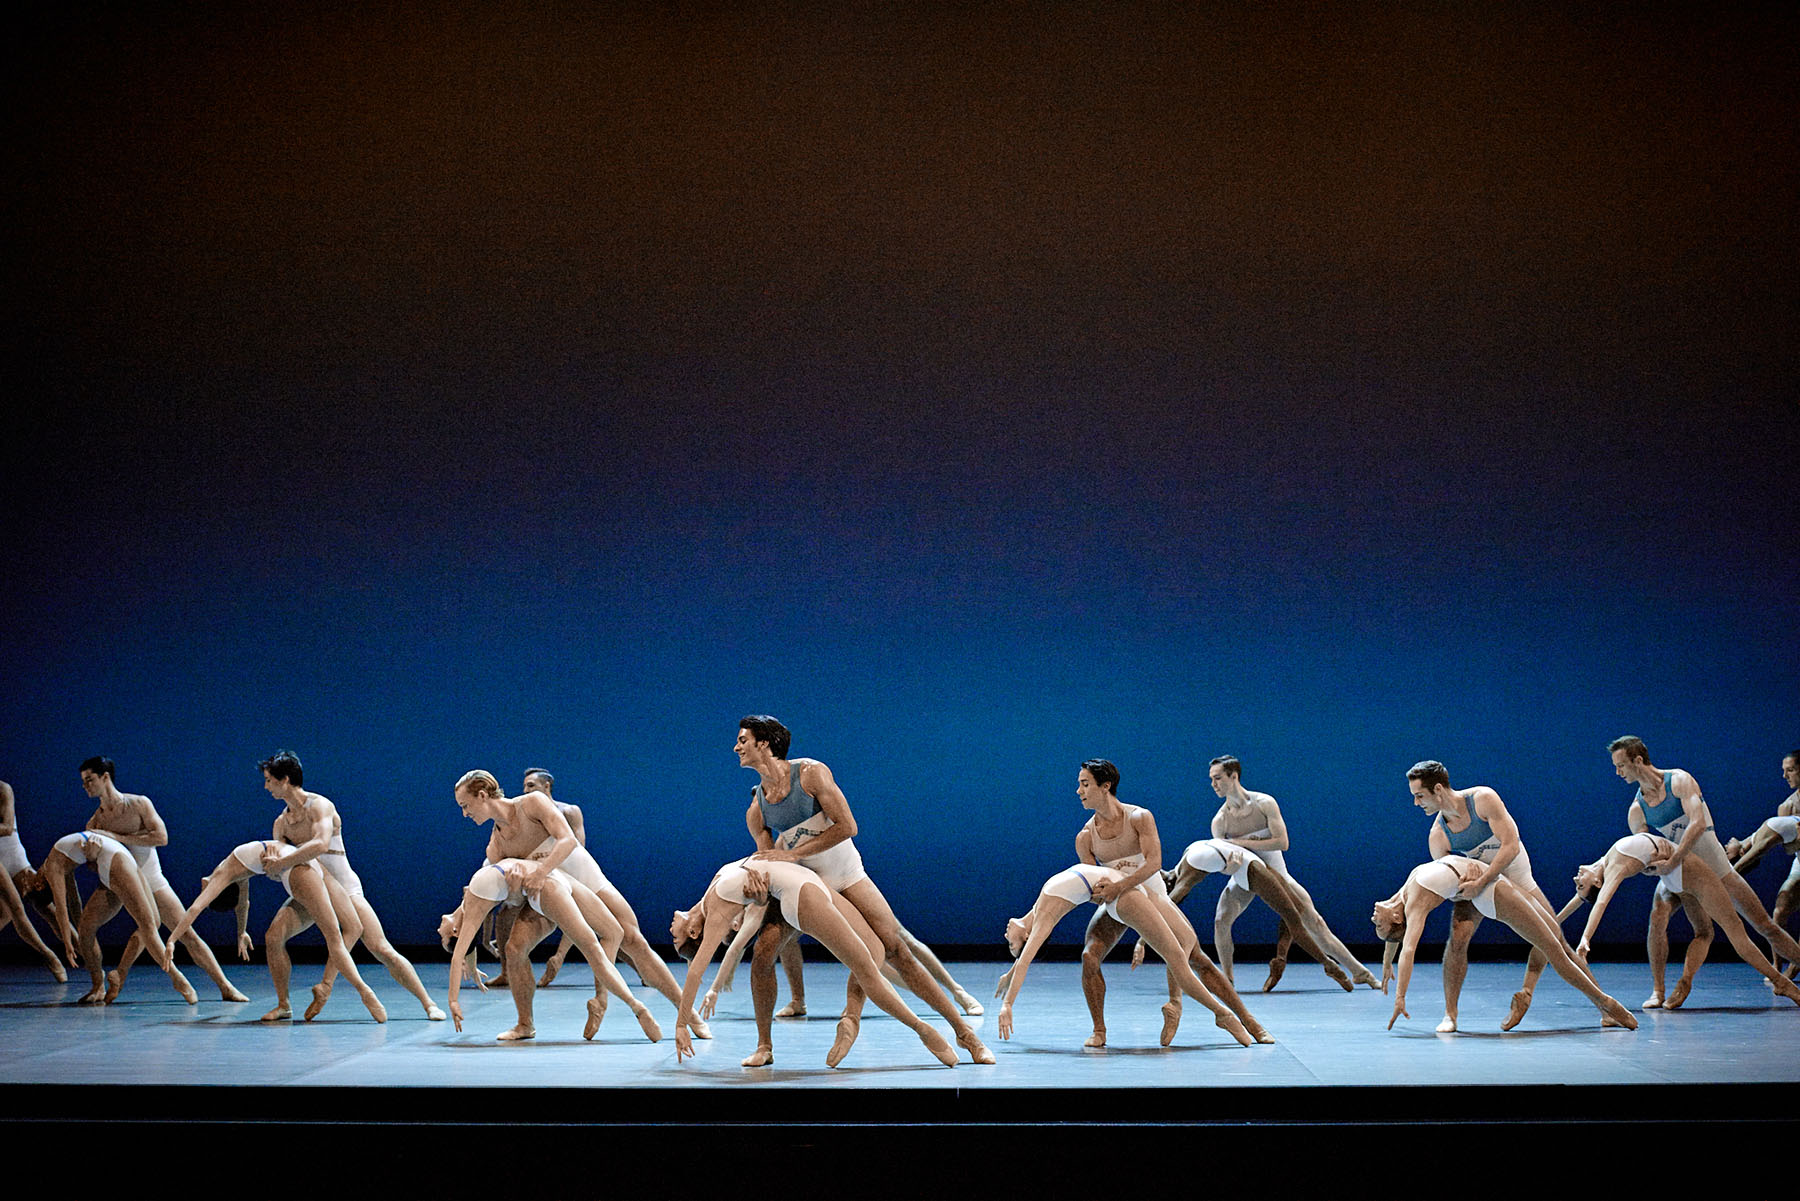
(977,391)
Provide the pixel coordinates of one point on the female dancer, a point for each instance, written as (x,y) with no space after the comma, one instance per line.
(1637,852)
(810,908)
(322,898)
(118,872)
(1402,917)
(568,903)
(17,878)
(1136,908)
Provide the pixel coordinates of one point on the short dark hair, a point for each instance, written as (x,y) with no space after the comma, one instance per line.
(1794,755)
(1430,773)
(1229,763)
(100,765)
(764,728)
(1104,773)
(284,766)
(1632,745)
(542,774)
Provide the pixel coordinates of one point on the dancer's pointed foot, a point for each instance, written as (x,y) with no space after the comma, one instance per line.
(977,1050)
(1277,966)
(946,1054)
(321,994)
(1363,975)
(699,1029)
(1229,1024)
(647,1023)
(1679,993)
(550,970)
(57,969)
(376,1009)
(848,1027)
(229,993)
(762,1057)
(1616,1014)
(1171,1021)
(969,1005)
(596,1010)
(793,1009)
(1257,1032)
(280,1013)
(114,982)
(1786,989)
(181,986)
(1521,1001)
(1337,975)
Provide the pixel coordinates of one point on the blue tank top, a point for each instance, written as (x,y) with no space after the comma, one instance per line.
(1464,841)
(791,810)
(1661,815)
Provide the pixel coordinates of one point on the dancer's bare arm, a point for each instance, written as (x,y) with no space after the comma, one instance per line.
(6,810)
(229,872)
(1278,834)
(150,833)
(1486,804)
(1687,791)
(748,927)
(543,809)
(473,909)
(816,779)
(718,922)
(1145,825)
(1419,904)
(1748,854)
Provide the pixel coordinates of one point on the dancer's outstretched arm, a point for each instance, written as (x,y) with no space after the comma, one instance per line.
(229,872)
(474,909)
(748,928)
(1045,914)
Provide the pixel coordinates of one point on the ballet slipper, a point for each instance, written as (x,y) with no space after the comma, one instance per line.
(793,1009)
(1655,1001)
(228,992)
(848,1028)
(1097,1038)
(1521,1001)
(1448,1025)
(1171,1012)
(517,1034)
(977,1050)
(433,1013)
(762,1057)
(280,1013)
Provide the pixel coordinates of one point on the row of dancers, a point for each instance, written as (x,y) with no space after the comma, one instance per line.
(807,877)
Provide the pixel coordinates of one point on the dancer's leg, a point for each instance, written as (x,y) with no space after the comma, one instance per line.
(821,917)
(1103,934)
(309,892)
(1463,920)
(1232,903)
(1141,914)
(874,907)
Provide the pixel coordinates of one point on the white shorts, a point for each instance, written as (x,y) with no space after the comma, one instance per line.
(1644,848)
(250,855)
(149,867)
(489,883)
(1208,855)
(338,864)
(839,867)
(1153,886)
(583,868)
(1076,884)
(1442,879)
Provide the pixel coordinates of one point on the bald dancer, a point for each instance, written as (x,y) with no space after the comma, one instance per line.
(798,814)
(1253,821)
(133,821)
(1668,802)
(531,827)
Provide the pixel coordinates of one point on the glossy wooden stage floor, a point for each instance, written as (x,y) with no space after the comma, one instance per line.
(1734,1050)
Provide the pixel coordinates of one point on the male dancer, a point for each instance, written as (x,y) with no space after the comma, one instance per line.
(1124,837)
(1669,802)
(799,815)
(132,820)
(1782,829)
(1474,822)
(310,827)
(538,779)
(1253,821)
(532,827)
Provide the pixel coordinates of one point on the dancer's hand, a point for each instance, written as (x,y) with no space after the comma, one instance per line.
(756,885)
(456,1013)
(777,855)
(1005,1021)
(274,856)
(1137,955)
(244,946)
(684,1042)
(1399,1010)
(74,956)
(1106,891)
(708,1003)
(1581,950)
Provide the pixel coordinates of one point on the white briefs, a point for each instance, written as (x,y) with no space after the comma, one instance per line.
(1125,866)
(12,854)
(580,865)
(1076,884)
(1209,854)
(1441,877)
(91,846)
(249,855)
(149,866)
(489,883)
(786,880)
(1644,848)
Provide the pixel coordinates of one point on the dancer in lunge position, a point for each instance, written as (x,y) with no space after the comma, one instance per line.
(1402,917)
(561,900)
(1781,830)
(1253,821)
(1125,837)
(799,815)
(321,900)
(1474,822)
(1646,852)
(312,831)
(809,906)
(532,827)
(133,821)
(1669,803)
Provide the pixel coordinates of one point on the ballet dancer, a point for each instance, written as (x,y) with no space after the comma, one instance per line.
(798,814)
(1781,830)
(1135,907)
(1646,852)
(309,829)
(809,906)
(1253,821)
(124,884)
(1670,803)
(132,821)
(1402,917)
(16,881)
(1474,822)
(557,898)
(322,900)
(531,827)
(538,779)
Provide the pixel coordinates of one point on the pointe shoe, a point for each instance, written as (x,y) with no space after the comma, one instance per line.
(1678,994)
(1521,1001)
(376,1009)
(1229,1024)
(1337,976)
(946,1054)
(648,1024)
(1277,966)
(699,1030)
(978,1052)
(115,982)
(321,994)
(595,1012)
(1171,1012)
(969,1005)
(848,1028)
